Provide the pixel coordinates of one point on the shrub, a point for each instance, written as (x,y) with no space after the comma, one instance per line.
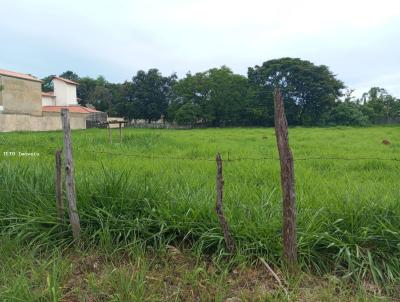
(349,114)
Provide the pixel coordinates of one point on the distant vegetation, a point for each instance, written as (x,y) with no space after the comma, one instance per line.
(219,97)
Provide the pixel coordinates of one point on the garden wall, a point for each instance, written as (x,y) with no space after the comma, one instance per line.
(24,122)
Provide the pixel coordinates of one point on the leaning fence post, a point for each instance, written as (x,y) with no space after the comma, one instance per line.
(230,244)
(59,202)
(287,182)
(69,179)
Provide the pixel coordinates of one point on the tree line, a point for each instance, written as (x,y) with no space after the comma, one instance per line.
(313,95)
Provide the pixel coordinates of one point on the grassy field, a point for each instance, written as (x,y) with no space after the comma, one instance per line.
(155,193)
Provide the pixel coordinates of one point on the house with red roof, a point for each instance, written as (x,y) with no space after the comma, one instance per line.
(24,107)
(64,93)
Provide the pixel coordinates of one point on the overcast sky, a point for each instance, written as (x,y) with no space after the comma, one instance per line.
(358,40)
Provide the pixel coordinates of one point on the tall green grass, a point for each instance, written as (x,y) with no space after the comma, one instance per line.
(348,210)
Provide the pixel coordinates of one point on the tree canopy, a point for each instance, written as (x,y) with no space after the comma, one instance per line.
(381,104)
(309,91)
(215,97)
(219,97)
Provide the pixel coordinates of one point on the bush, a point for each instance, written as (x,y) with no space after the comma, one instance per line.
(349,114)
(187,114)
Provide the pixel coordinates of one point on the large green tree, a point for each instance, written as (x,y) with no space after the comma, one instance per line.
(95,92)
(148,94)
(216,97)
(380,105)
(309,91)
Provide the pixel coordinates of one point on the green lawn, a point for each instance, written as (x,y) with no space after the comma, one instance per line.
(157,188)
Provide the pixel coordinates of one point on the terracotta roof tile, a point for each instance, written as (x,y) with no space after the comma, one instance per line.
(18,75)
(65,80)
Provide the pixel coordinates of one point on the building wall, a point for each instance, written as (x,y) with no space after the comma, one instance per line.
(48,101)
(65,93)
(1,93)
(21,96)
(48,122)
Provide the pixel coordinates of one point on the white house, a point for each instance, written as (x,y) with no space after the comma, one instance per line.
(64,93)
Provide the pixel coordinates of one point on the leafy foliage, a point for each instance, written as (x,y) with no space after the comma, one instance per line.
(349,114)
(219,97)
(149,94)
(47,84)
(216,96)
(70,75)
(381,105)
(309,91)
(187,114)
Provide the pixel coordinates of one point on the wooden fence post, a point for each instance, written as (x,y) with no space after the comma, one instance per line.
(109,133)
(230,243)
(69,179)
(287,182)
(59,201)
(120,133)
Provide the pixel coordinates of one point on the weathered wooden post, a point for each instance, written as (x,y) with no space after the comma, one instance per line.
(109,132)
(287,182)
(59,201)
(229,242)
(69,175)
(120,132)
